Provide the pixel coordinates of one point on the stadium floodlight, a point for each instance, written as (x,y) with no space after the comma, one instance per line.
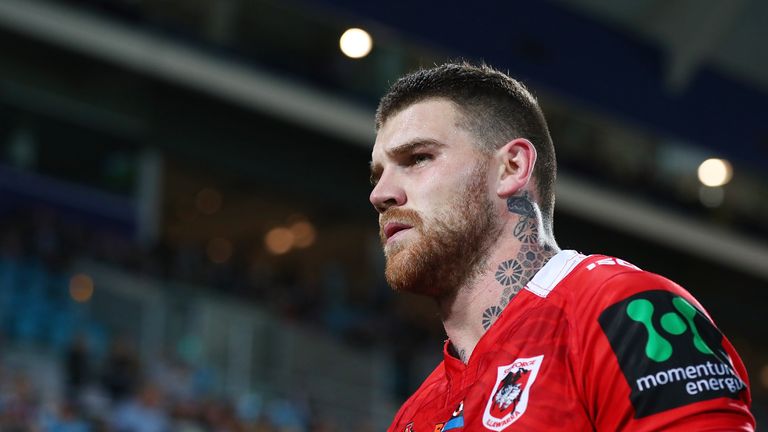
(355,43)
(81,287)
(715,172)
(279,240)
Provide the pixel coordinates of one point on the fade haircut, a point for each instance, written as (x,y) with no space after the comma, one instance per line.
(494,107)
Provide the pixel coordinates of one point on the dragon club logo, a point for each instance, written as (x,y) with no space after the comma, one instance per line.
(509,397)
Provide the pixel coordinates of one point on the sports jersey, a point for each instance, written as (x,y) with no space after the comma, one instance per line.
(591,343)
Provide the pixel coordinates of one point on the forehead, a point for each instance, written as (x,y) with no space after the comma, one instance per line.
(429,120)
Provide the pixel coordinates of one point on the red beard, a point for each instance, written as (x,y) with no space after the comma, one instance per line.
(444,253)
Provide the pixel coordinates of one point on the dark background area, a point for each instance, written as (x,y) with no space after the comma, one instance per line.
(150,149)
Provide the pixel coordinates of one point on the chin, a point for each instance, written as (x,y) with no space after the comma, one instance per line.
(406,271)
(400,270)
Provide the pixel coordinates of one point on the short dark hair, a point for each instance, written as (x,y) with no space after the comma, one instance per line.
(496,109)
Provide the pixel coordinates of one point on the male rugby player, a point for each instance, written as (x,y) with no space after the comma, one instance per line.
(539,338)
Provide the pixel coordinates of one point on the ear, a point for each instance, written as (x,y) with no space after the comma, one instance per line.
(516,160)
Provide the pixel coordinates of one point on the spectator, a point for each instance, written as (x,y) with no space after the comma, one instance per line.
(67,419)
(77,367)
(122,370)
(142,413)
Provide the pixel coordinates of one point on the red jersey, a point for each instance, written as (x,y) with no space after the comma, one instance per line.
(591,343)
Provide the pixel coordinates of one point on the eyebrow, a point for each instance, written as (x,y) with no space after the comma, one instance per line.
(403,149)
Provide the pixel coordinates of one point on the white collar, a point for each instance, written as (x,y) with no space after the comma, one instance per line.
(554,271)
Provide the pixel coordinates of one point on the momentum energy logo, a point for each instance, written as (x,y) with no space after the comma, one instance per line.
(669,352)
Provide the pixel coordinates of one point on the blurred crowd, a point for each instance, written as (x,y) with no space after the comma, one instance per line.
(83,377)
(322,298)
(122,395)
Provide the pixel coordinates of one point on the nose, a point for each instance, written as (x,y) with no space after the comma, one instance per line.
(387,193)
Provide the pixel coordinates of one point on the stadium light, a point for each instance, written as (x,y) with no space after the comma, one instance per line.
(715,172)
(304,234)
(355,43)
(81,287)
(279,240)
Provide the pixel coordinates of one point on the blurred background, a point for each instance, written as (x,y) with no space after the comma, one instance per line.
(186,241)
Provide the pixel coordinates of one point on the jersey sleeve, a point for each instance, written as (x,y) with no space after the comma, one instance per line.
(652,359)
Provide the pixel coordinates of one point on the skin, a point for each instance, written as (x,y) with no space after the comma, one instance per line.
(421,157)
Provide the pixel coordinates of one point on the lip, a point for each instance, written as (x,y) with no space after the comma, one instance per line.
(392,228)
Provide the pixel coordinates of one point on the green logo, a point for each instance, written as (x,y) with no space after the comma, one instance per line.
(658,348)
(669,352)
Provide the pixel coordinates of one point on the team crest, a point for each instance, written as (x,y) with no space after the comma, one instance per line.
(509,397)
(409,427)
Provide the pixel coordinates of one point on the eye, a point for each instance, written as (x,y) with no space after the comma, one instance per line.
(420,158)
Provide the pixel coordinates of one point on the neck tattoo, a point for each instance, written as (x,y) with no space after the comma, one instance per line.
(514,274)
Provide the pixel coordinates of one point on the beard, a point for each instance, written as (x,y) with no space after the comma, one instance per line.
(449,250)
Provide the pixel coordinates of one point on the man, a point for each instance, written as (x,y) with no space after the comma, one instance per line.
(463,169)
